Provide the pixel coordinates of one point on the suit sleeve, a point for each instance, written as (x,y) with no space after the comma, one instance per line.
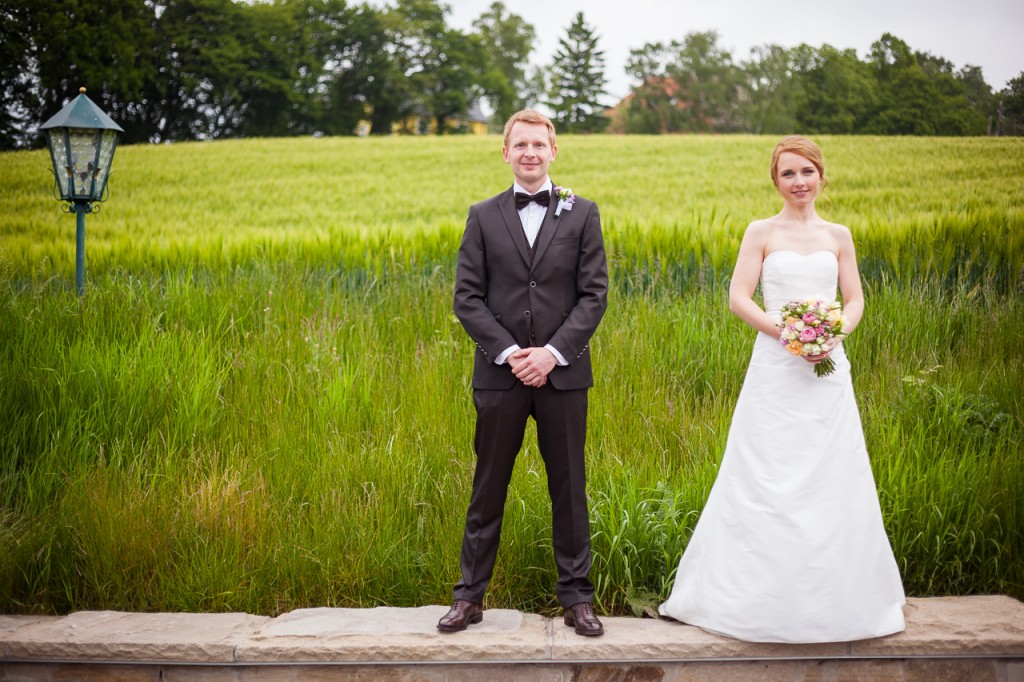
(573,338)
(471,293)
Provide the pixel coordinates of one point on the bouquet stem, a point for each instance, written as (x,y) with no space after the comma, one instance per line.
(824,368)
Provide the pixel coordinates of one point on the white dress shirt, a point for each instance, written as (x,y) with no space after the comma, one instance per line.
(532,215)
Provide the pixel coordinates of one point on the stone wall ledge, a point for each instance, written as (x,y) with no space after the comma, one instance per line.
(938,629)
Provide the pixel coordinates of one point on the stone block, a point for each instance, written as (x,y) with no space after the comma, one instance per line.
(597,672)
(953,625)
(116,636)
(395,634)
(77,672)
(652,639)
(887,670)
(203,673)
(740,671)
(951,670)
(24,672)
(11,624)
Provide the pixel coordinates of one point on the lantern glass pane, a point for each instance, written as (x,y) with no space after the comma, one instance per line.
(61,167)
(108,142)
(83,160)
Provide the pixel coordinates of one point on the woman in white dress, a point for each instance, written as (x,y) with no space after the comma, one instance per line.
(790,546)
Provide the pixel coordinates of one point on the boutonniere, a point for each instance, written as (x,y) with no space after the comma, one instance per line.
(565,199)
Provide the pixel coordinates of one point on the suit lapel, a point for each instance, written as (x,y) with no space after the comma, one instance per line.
(507,205)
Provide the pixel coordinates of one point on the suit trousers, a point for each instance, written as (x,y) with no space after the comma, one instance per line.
(561,418)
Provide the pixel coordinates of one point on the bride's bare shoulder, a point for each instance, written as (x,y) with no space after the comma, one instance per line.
(760,228)
(756,236)
(840,233)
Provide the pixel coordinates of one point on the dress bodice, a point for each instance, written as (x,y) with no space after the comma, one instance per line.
(789,276)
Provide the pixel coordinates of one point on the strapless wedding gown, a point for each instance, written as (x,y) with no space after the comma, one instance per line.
(790,546)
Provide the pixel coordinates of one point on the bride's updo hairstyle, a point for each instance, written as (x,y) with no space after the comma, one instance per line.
(805,148)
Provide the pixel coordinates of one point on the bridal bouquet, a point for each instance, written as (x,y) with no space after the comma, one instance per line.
(807,328)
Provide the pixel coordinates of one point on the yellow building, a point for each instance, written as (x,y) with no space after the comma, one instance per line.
(422,123)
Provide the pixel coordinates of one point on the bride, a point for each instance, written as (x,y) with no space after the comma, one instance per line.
(790,546)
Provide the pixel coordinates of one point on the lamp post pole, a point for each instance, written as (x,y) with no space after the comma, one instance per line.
(80,208)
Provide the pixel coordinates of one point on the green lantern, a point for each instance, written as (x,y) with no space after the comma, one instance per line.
(81,139)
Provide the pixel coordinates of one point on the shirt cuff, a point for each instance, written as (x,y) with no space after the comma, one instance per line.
(558,356)
(503,356)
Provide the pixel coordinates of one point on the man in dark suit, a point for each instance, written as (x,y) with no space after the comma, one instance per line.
(531,288)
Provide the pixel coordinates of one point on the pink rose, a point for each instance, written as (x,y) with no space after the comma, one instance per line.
(809,318)
(808,334)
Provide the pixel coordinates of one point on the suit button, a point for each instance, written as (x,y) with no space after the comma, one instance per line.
(533,284)
(526,312)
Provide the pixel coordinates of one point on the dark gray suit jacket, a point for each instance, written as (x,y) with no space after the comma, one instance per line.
(563,293)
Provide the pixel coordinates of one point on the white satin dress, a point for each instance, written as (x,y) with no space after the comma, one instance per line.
(790,546)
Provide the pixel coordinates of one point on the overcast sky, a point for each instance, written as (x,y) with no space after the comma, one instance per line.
(985,33)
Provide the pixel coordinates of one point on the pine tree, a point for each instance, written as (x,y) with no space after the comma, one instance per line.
(577,81)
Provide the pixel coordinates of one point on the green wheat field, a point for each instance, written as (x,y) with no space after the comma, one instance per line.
(262,401)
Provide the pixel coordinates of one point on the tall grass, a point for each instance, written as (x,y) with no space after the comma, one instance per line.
(263,402)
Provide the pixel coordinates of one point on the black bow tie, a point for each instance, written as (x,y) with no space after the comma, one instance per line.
(522,199)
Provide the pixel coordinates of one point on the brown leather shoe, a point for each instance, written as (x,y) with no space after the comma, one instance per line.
(462,614)
(581,616)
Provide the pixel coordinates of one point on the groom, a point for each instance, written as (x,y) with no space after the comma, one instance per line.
(530,289)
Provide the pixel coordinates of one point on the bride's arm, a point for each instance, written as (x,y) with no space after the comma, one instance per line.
(849,281)
(744,280)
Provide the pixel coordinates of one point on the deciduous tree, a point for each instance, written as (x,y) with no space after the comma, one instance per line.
(19,92)
(507,40)
(443,65)
(688,86)
(774,94)
(838,91)
(916,99)
(59,47)
(709,80)
(979,95)
(1011,107)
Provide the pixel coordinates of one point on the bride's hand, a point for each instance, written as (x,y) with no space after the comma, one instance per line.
(829,347)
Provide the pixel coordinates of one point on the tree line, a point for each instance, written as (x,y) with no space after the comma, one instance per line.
(695,86)
(173,70)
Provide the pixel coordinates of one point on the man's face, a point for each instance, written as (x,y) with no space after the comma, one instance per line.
(529,153)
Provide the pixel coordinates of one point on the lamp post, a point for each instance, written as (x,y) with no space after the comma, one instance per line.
(81,139)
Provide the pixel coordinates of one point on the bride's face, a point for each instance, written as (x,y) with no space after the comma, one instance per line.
(797,179)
